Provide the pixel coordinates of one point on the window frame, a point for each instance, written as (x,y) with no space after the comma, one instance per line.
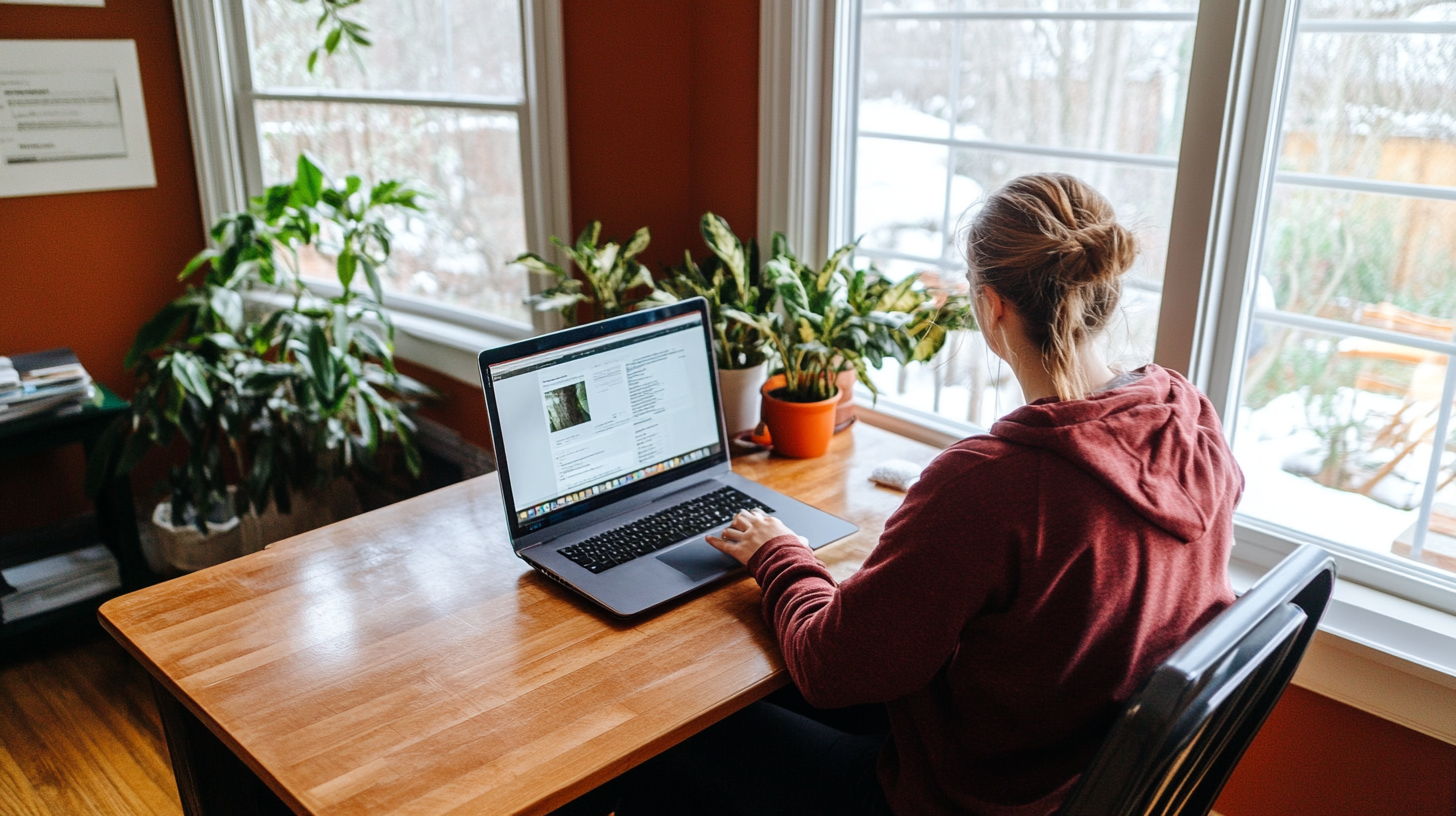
(220,96)
(1227,165)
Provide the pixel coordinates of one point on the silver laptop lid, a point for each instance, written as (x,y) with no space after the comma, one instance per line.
(589,418)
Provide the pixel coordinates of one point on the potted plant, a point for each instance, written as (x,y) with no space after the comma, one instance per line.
(798,403)
(612,282)
(277,407)
(906,320)
(729,278)
(836,323)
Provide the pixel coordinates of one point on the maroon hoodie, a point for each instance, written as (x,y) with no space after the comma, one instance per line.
(1026,587)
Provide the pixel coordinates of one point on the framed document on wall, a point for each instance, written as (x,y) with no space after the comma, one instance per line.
(72,117)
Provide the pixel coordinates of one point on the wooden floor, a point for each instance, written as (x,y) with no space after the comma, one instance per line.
(79,735)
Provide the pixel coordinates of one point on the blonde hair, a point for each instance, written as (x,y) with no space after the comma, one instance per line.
(1051,246)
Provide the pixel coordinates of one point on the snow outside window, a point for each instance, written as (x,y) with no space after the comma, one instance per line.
(440,100)
(955,100)
(1342,393)
(1343,420)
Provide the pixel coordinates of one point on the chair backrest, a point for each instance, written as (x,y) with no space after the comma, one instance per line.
(1178,739)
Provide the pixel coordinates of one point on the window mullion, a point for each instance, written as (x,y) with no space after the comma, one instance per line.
(1089,15)
(1438,447)
(1376,27)
(252,157)
(422,100)
(1324,325)
(1235,103)
(1360,185)
(1273,55)
(1029,149)
(955,83)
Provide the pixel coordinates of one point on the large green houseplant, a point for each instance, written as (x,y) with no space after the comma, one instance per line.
(270,403)
(612,282)
(835,320)
(730,278)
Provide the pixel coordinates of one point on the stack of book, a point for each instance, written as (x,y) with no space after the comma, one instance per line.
(42,382)
(54,582)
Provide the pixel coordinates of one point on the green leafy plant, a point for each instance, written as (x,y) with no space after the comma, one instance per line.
(340,30)
(288,401)
(729,279)
(838,318)
(904,320)
(612,281)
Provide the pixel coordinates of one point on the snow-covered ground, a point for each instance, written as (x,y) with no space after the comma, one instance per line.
(900,187)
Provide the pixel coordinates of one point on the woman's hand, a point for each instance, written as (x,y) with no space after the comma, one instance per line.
(748,531)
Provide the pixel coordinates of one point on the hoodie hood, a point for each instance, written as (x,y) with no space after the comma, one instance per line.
(1156,443)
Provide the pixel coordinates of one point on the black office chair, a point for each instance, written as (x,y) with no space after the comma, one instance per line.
(1178,739)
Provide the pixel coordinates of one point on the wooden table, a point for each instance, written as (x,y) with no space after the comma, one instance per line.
(405,662)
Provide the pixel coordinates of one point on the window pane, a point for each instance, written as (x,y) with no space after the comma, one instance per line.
(1334,435)
(1114,86)
(1373,106)
(1034,5)
(459,251)
(1336,255)
(965,382)
(905,77)
(1374,10)
(1141,196)
(431,46)
(899,201)
(1091,85)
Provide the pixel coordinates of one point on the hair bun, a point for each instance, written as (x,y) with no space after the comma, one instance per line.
(1097,253)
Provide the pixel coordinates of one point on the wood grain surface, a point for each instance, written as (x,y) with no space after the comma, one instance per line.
(406,662)
(79,735)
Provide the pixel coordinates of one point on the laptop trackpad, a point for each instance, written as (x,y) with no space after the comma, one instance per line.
(698,560)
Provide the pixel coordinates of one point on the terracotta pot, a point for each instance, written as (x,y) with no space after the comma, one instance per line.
(801,430)
(739,388)
(844,411)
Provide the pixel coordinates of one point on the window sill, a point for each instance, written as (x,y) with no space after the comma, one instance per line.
(445,347)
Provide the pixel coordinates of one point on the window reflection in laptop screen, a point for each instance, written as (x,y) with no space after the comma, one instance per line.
(589,418)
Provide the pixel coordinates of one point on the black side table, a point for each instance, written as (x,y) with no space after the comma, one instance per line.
(114,521)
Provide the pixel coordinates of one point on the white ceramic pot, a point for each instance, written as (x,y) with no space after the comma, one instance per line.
(186,549)
(739,390)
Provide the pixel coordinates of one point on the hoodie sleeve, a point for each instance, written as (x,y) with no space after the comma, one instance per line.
(887,629)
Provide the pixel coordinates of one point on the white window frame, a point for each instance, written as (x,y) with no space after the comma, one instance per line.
(1388,645)
(213,38)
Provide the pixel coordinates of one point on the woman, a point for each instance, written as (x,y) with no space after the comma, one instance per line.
(1031,580)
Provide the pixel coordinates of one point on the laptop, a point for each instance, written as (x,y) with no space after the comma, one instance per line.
(613,458)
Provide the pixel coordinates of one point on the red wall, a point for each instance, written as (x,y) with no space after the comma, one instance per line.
(662,101)
(1317,757)
(662,118)
(85,270)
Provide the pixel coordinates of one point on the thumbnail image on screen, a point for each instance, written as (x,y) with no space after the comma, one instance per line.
(567,406)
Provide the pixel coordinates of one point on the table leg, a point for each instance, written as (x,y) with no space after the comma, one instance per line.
(211,780)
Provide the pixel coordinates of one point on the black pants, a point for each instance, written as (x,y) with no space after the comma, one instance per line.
(779,756)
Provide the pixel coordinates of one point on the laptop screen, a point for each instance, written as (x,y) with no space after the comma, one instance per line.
(584,424)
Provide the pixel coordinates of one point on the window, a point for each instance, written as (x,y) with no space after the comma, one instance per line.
(1343,418)
(453,96)
(954,101)
(1313,180)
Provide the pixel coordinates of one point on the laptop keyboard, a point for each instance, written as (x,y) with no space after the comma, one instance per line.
(661,529)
